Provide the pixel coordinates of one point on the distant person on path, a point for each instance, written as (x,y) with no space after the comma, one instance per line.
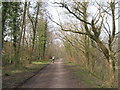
(53,58)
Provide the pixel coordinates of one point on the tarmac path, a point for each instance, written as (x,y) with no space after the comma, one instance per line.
(55,75)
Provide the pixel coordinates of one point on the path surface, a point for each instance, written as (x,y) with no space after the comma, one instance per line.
(55,75)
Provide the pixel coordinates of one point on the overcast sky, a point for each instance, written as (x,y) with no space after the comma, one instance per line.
(58,13)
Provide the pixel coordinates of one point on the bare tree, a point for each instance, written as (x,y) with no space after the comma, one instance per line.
(94,28)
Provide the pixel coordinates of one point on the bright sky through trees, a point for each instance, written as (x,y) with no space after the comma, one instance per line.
(58,14)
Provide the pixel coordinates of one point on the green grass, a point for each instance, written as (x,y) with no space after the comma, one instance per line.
(70,63)
(13,74)
(12,69)
(40,62)
(87,78)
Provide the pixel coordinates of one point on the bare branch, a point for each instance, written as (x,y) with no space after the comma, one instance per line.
(108,26)
(66,7)
(117,33)
(106,29)
(74,46)
(74,31)
(116,52)
(104,10)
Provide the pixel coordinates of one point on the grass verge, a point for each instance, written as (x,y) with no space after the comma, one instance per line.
(86,78)
(13,75)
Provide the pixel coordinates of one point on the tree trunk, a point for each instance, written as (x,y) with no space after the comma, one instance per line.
(110,59)
(111,73)
(35,26)
(24,22)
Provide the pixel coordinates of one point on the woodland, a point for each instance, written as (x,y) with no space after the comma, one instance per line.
(82,35)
